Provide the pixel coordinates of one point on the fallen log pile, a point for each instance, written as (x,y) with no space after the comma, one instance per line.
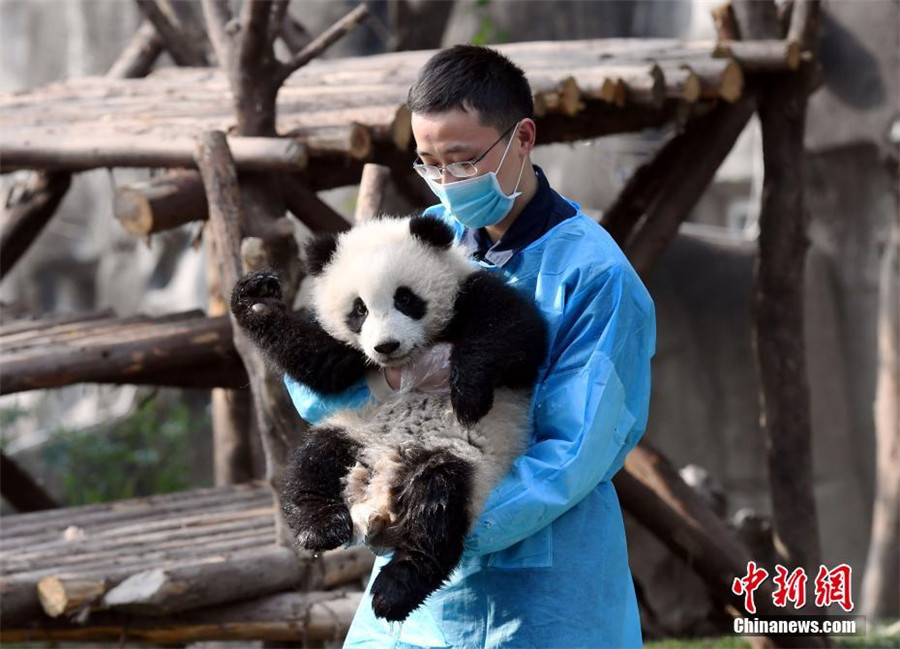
(170,566)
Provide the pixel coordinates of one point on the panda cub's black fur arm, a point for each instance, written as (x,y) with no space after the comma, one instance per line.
(499,340)
(294,342)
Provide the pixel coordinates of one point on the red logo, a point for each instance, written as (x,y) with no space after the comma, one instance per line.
(832,586)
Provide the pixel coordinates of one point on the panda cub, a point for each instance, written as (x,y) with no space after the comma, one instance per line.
(411,473)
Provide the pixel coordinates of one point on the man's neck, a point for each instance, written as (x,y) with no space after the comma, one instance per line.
(528,187)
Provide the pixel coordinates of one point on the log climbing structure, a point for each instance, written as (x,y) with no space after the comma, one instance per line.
(212,564)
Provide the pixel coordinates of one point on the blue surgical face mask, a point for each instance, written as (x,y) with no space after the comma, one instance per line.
(478,202)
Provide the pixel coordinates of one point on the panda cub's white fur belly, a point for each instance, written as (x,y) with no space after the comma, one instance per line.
(388,430)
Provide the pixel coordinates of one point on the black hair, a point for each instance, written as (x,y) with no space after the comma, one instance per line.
(470,77)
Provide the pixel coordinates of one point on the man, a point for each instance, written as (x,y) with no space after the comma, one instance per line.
(546,565)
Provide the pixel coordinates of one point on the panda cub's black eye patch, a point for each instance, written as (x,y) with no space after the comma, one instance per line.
(409,304)
(357,316)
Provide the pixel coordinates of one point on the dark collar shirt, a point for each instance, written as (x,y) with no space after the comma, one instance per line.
(545,210)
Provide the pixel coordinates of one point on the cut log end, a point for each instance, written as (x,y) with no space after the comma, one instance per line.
(59,597)
(732,82)
(133,211)
(401,128)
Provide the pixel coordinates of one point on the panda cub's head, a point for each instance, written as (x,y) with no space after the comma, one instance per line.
(387,287)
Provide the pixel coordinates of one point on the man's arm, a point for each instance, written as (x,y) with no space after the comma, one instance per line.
(589,410)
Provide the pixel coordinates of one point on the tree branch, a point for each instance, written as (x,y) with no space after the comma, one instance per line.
(324,41)
(184,50)
(254,32)
(218,14)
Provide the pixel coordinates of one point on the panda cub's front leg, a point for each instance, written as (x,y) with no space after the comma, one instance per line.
(312,493)
(295,342)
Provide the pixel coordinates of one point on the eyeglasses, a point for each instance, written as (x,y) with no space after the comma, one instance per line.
(464,169)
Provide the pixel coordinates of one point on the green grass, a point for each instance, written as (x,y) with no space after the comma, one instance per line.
(875,638)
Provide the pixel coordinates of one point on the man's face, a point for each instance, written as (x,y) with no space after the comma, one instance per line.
(457,136)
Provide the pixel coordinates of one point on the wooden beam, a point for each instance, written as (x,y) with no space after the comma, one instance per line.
(310,209)
(28,207)
(20,489)
(21,151)
(674,170)
(183,49)
(183,350)
(140,55)
(323,41)
(707,142)
(286,617)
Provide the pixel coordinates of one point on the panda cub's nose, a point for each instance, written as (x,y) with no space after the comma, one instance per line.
(387,347)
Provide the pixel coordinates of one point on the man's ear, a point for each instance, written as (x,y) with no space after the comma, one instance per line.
(318,252)
(527,134)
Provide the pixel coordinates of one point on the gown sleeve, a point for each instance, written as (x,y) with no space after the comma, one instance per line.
(589,410)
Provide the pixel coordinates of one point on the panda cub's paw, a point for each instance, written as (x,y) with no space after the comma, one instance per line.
(471,405)
(256,298)
(398,591)
(325,528)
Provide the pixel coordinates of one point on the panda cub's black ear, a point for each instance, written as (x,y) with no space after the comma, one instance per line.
(318,252)
(431,231)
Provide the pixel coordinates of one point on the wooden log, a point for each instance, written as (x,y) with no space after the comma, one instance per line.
(762,55)
(353,141)
(285,617)
(652,491)
(700,154)
(720,78)
(26,212)
(21,490)
(310,209)
(33,324)
(182,49)
(372,188)
(166,591)
(161,203)
(63,597)
(323,41)
(293,34)
(139,56)
(682,83)
(270,403)
(208,500)
(249,542)
(40,152)
(647,88)
(129,355)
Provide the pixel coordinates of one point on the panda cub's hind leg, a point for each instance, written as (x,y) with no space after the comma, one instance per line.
(312,492)
(431,496)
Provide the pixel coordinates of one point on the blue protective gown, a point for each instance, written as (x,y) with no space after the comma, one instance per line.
(546,565)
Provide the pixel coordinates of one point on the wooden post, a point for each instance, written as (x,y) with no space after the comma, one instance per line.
(372,188)
(29,207)
(880,590)
(778,301)
(274,412)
